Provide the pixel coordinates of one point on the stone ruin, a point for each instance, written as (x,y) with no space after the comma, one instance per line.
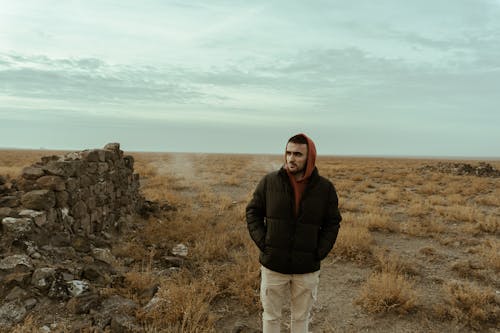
(482,169)
(57,223)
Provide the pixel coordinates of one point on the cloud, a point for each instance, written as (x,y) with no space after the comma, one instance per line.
(87,79)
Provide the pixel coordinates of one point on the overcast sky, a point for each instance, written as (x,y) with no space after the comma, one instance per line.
(417,78)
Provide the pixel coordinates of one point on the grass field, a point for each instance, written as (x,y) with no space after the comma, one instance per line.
(418,251)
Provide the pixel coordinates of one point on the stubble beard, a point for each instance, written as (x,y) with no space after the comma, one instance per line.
(297,170)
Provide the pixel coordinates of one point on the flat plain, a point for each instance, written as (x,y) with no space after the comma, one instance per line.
(418,249)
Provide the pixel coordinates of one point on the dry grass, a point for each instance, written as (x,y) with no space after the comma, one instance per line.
(353,242)
(388,291)
(427,226)
(183,304)
(378,220)
(470,304)
(489,253)
(394,263)
(489,224)
(418,209)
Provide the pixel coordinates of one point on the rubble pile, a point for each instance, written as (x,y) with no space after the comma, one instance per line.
(482,169)
(57,223)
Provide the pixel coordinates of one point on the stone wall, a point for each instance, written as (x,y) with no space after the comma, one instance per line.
(58,223)
(482,169)
(80,193)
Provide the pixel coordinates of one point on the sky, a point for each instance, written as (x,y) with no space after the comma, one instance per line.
(382,78)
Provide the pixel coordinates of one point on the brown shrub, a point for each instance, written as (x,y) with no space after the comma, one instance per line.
(393,195)
(427,226)
(418,209)
(489,252)
(353,243)
(460,213)
(183,304)
(378,220)
(394,263)
(429,188)
(467,303)
(349,205)
(387,292)
(490,224)
(489,200)
(470,269)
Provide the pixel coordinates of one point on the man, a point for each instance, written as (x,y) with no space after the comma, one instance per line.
(294,220)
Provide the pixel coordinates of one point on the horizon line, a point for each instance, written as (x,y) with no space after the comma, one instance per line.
(452,157)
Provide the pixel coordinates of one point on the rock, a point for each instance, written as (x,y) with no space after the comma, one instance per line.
(27,185)
(11,313)
(91,155)
(30,247)
(5,212)
(44,329)
(39,199)
(123,323)
(79,210)
(152,304)
(81,244)
(59,288)
(116,303)
(83,303)
(73,156)
(72,184)
(35,255)
(129,161)
(83,326)
(77,287)
(19,277)
(62,199)
(111,308)
(32,172)
(2,180)
(9,201)
(60,168)
(54,183)
(102,167)
(112,146)
(42,278)
(16,226)
(40,218)
(171,261)
(16,294)
(30,303)
(180,250)
(16,261)
(96,272)
(47,159)
(104,255)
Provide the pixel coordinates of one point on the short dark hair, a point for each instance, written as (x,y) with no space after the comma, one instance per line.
(299,138)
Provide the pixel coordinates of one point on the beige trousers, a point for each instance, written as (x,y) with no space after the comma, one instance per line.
(274,289)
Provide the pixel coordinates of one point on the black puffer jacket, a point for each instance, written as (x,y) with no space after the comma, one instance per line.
(292,244)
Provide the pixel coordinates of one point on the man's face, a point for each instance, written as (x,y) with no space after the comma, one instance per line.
(296,157)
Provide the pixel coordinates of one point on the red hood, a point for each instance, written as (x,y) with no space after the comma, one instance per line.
(311,157)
